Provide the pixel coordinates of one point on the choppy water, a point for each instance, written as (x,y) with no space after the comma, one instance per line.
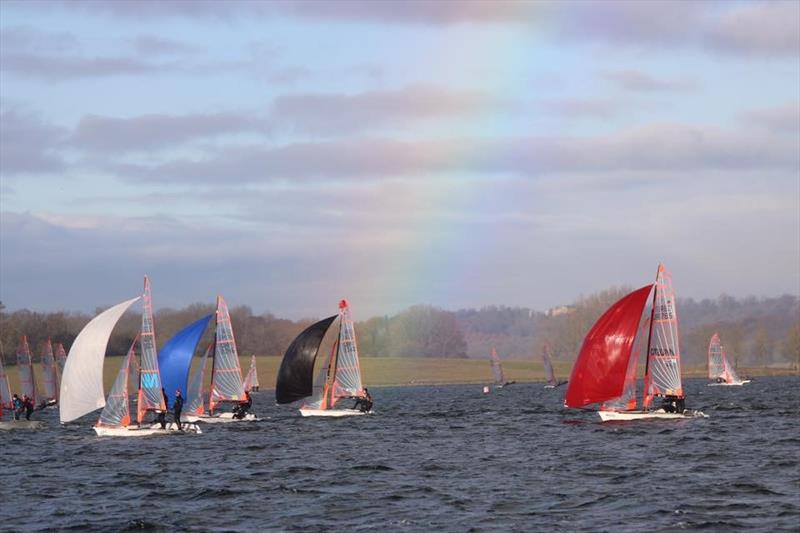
(431,458)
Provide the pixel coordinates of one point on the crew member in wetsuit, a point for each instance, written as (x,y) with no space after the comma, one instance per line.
(28,404)
(161,417)
(364,404)
(19,407)
(243,407)
(177,407)
(673,404)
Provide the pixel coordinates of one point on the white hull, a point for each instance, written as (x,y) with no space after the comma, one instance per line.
(734,384)
(21,424)
(222,418)
(332,412)
(143,431)
(611,416)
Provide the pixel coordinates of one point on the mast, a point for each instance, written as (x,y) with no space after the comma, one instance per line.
(663,376)
(150,396)
(646,399)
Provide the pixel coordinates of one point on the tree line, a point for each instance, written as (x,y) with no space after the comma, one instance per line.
(756,332)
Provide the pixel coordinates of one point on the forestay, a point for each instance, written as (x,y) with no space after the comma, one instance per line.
(117,411)
(226,376)
(150,395)
(82,382)
(663,373)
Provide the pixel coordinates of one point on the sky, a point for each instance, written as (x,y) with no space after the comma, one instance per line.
(459,154)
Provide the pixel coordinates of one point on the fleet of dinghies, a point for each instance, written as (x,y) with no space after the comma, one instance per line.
(604,374)
(720,371)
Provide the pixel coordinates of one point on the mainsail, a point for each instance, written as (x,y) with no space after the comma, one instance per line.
(82,382)
(251,380)
(549,375)
(348,368)
(600,370)
(61,358)
(150,395)
(27,380)
(175,357)
(226,374)
(497,368)
(5,390)
(663,371)
(295,375)
(194,394)
(49,376)
(117,412)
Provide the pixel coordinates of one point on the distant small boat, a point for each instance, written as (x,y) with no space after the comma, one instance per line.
(251,380)
(720,371)
(605,371)
(61,358)
(497,370)
(549,375)
(27,378)
(338,379)
(6,400)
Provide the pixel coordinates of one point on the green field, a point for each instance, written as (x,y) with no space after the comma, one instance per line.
(387,371)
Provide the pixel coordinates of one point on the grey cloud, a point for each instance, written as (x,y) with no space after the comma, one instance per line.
(28,145)
(760,29)
(61,68)
(337,113)
(26,38)
(784,118)
(576,108)
(150,45)
(674,147)
(158,131)
(634,80)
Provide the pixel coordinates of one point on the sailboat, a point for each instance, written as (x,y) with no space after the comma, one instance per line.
(720,370)
(61,358)
(49,375)
(251,380)
(227,385)
(338,378)
(497,370)
(27,379)
(549,375)
(82,382)
(605,370)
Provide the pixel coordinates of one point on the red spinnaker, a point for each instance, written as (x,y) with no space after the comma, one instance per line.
(599,371)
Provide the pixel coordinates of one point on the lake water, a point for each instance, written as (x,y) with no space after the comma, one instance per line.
(431,458)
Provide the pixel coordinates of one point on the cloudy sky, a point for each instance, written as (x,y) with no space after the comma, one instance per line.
(458,153)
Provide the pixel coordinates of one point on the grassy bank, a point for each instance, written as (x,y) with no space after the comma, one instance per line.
(387,371)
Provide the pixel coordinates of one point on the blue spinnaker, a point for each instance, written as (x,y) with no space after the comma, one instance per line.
(175,358)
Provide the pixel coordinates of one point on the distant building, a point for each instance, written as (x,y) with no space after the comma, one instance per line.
(561,310)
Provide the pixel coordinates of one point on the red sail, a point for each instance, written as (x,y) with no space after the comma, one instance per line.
(599,371)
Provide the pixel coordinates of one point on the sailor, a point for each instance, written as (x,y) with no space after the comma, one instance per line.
(28,404)
(364,403)
(243,407)
(673,404)
(177,406)
(19,407)
(161,418)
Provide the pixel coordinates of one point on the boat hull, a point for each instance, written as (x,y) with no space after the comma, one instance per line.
(222,418)
(734,384)
(613,416)
(144,431)
(21,424)
(333,412)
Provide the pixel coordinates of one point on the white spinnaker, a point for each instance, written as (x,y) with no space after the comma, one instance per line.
(82,382)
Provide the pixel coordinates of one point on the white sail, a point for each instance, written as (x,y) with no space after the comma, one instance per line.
(348,369)
(82,382)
